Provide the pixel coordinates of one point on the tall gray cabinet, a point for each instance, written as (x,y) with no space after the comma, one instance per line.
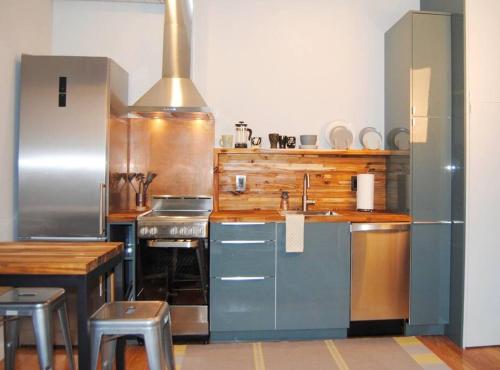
(418,99)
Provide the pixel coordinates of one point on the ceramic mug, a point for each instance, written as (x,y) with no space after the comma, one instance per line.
(291,142)
(256,141)
(283,140)
(273,139)
(226,141)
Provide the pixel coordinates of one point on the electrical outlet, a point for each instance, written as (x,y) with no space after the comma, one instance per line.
(241,183)
(354,183)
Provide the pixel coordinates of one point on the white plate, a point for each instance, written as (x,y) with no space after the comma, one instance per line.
(370,138)
(330,127)
(341,138)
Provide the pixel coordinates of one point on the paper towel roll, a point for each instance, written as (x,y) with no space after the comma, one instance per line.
(365,192)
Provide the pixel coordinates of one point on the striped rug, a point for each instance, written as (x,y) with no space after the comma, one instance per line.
(399,353)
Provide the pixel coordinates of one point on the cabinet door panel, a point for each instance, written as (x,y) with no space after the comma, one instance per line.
(431,171)
(431,69)
(312,288)
(232,258)
(237,305)
(430,274)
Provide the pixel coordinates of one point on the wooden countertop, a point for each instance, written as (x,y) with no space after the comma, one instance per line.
(275,216)
(55,258)
(129,215)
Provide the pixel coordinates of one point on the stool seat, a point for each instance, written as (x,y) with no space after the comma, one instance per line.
(130,314)
(149,319)
(31,298)
(37,303)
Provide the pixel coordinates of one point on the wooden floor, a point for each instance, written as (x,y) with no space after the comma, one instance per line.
(487,358)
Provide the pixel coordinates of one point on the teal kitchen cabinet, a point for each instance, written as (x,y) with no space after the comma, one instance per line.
(430,274)
(313,287)
(242,277)
(418,92)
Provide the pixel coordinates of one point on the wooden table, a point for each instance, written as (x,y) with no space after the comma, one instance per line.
(76,265)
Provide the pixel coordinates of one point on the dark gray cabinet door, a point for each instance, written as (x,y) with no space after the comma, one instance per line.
(242,303)
(431,65)
(431,169)
(242,231)
(247,258)
(312,288)
(242,270)
(430,274)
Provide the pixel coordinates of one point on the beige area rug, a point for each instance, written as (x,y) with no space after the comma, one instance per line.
(401,353)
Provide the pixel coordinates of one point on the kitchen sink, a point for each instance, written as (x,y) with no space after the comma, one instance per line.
(310,213)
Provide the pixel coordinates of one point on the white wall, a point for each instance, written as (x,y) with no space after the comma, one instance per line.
(25,27)
(288,66)
(482,278)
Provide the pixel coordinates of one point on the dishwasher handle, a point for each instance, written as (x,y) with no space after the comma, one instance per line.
(382,226)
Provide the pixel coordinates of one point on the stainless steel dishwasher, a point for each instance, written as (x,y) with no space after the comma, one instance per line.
(380,270)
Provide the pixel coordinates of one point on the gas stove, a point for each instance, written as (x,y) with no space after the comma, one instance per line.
(176,217)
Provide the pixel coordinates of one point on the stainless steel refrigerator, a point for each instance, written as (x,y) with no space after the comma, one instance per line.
(72,146)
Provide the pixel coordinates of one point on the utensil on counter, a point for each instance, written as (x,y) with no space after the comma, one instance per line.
(291,142)
(226,141)
(273,140)
(308,139)
(256,141)
(370,138)
(243,135)
(283,140)
(308,146)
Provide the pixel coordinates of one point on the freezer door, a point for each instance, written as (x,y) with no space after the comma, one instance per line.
(62,146)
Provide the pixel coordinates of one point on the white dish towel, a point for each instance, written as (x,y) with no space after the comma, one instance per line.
(294,233)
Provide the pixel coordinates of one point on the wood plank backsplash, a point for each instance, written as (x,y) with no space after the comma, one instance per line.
(268,174)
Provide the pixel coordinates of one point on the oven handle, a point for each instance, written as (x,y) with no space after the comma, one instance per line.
(244,241)
(242,223)
(165,243)
(243,278)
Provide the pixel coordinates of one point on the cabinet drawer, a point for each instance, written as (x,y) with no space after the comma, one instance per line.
(242,303)
(242,258)
(242,231)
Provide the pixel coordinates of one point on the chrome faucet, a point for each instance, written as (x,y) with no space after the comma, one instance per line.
(306,185)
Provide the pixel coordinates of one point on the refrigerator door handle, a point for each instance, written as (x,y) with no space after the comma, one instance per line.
(102,209)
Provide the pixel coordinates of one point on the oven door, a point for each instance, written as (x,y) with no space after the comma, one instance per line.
(173,270)
(176,271)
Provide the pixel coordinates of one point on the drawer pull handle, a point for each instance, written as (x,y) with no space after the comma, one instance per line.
(242,223)
(243,242)
(243,278)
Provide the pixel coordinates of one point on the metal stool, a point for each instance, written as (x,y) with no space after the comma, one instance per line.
(38,303)
(150,319)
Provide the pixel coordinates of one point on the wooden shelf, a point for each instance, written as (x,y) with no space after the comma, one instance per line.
(351,152)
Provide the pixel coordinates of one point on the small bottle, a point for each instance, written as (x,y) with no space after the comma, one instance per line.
(284,205)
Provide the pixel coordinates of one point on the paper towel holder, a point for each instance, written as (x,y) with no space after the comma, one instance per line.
(365,192)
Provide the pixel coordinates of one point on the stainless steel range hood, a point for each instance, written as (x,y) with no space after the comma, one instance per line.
(175,94)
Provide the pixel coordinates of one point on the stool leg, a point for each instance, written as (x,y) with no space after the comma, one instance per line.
(11,340)
(108,354)
(169,347)
(155,349)
(43,337)
(63,319)
(95,344)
